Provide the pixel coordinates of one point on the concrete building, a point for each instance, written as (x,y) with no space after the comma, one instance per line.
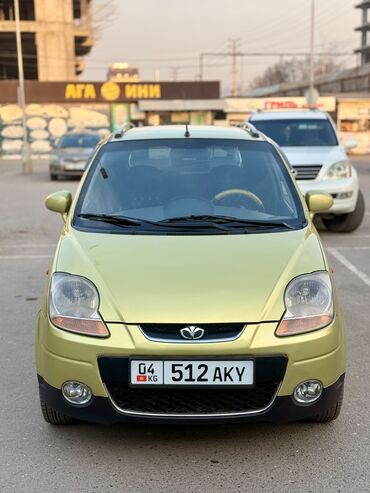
(354,80)
(121,72)
(56,35)
(364,29)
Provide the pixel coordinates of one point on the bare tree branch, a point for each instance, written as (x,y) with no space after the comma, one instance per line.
(293,70)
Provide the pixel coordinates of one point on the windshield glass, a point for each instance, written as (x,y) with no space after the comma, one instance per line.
(298,133)
(156,180)
(79,140)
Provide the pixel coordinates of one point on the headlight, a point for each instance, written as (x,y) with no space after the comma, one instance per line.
(309,304)
(74,305)
(341,169)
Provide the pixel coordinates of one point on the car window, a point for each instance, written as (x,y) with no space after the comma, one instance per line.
(160,179)
(79,140)
(298,132)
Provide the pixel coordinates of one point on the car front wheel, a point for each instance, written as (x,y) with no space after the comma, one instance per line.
(54,176)
(346,223)
(329,414)
(54,417)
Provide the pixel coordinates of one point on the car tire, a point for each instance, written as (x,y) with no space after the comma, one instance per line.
(54,177)
(329,414)
(54,417)
(346,223)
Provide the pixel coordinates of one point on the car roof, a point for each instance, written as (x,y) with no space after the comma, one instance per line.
(289,115)
(178,132)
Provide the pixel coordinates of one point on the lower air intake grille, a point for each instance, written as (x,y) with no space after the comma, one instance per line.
(192,401)
(307,172)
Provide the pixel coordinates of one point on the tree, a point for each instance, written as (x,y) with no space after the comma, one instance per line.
(293,70)
(103,14)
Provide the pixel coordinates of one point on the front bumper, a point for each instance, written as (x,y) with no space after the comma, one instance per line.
(101,410)
(63,170)
(63,356)
(336,188)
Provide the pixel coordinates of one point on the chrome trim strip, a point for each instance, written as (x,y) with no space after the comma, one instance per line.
(193,341)
(212,415)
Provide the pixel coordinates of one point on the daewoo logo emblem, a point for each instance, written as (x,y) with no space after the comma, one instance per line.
(192,332)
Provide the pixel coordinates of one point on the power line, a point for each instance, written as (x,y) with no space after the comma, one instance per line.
(265,54)
(325,17)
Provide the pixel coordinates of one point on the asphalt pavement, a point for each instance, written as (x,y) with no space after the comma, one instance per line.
(36,457)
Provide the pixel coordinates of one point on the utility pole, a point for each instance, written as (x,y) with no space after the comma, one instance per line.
(201,66)
(234,45)
(26,162)
(175,71)
(311,90)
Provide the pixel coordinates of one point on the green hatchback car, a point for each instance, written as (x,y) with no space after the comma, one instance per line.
(189,285)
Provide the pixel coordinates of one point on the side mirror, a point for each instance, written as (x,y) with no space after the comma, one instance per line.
(350,143)
(59,202)
(318,201)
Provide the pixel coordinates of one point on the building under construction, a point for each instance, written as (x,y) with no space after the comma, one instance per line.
(56,35)
(364,29)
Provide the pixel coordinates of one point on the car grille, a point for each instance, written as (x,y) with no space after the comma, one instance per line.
(192,401)
(171,332)
(73,159)
(307,172)
(115,373)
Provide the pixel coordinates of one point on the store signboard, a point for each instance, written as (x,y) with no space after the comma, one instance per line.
(103,92)
(248,105)
(353,109)
(354,122)
(45,123)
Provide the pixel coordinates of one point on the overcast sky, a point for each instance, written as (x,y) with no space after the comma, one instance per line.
(169,35)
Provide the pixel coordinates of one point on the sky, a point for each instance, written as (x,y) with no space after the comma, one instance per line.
(167,36)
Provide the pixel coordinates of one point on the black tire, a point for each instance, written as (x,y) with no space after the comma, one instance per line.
(54,417)
(53,177)
(346,223)
(329,414)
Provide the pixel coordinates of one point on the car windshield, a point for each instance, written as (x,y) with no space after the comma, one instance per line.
(298,132)
(79,140)
(187,180)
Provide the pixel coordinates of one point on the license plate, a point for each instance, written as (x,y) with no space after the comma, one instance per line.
(75,166)
(192,372)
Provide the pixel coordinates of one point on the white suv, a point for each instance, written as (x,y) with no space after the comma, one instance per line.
(309,140)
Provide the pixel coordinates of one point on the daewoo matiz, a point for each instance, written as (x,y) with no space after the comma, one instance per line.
(189,285)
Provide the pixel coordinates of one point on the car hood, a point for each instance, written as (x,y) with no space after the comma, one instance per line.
(190,279)
(299,156)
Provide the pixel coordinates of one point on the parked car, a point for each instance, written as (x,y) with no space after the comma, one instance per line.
(311,144)
(189,284)
(72,152)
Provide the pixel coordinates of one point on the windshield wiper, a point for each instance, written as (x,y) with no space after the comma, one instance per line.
(224,223)
(106,218)
(128,221)
(124,220)
(226,220)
